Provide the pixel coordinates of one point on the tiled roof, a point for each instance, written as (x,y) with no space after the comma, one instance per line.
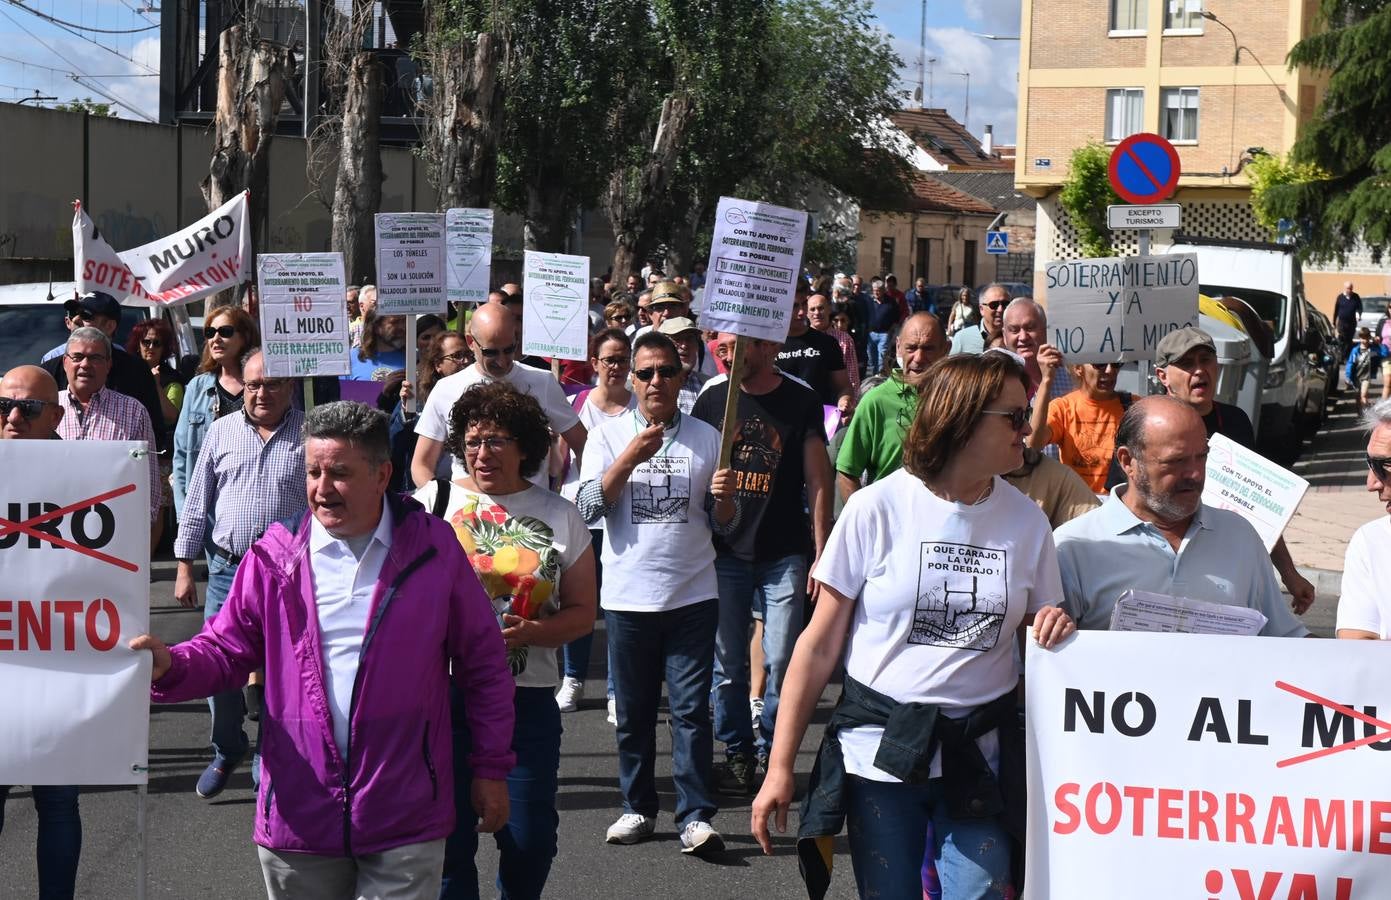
(946,140)
(995,188)
(931,195)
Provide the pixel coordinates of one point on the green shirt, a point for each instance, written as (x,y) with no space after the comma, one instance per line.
(874,441)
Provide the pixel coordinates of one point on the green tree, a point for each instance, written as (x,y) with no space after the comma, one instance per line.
(1266,173)
(1085,196)
(86,105)
(1349,137)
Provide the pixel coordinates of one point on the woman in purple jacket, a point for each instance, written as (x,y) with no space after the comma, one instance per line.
(359,612)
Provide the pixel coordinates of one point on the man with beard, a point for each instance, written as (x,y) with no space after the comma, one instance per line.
(1155,534)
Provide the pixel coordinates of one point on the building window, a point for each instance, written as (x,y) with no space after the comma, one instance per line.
(1183,15)
(1128,15)
(886,255)
(1125,113)
(1180,114)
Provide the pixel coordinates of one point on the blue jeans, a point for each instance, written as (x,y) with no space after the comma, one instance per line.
(576,653)
(888,826)
(876,349)
(527,844)
(777,589)
(60,838)
(228,709)
(678,645)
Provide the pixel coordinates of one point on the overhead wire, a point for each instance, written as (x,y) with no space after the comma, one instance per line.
(77,34)
(71,25)
(76,74)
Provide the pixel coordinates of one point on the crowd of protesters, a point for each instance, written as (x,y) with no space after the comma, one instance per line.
(405,590)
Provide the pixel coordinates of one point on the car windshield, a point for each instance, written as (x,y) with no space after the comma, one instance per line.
(28,331)
(1269,305)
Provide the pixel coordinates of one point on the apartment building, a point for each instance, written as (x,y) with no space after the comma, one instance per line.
(1209,75)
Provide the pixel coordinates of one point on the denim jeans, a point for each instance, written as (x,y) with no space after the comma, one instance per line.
(60,838)
(777,588)
(527,844)
(678,645)
(888,826)
(576,653)
(876,349)
(228,709)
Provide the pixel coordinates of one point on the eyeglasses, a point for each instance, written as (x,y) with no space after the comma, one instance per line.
(492,352)
(223,331)
(494,444)
(457,356)
(81,358)
(28,408)
(996,305)
(614,362)
(151,342)
(1018,418)
(269,385)
(1380,466)
(624,317)
(83,315)
(665,308)
(645,375)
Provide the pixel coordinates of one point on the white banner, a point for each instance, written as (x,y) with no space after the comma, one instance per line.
(755,261)
(468,238)
(555,291)
(1118,309)
(1201,766)
(211,255)
(1262,493)
(410,263)
(74,562)
(304,314)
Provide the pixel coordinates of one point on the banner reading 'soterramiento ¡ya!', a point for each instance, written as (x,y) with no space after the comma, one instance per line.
(211,255)
(74,566)
(1202,766)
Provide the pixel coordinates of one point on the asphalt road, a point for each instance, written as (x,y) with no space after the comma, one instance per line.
(202,849)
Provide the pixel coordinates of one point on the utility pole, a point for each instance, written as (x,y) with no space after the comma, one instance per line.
(931,63)
(922,54)
(967,76)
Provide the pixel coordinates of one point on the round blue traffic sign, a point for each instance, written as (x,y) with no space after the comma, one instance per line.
(1144,168)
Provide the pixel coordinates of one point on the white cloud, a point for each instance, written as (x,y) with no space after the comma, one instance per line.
(76,55)
(996,16)
(994,69)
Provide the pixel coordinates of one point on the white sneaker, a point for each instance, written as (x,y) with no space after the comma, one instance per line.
(756,710)
(631,828)
(570,694)
(700,839)
(612,717)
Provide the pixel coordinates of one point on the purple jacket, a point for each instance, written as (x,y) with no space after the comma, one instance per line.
(429,614)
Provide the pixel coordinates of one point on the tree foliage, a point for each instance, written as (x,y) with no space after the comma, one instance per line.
(1085,196)
(1349,137)
(1266,173)
(86,105)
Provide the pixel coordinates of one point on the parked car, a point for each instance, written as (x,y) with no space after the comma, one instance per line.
(1374,310)
(1328,353)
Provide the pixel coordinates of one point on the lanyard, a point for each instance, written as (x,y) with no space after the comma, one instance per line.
(637,429)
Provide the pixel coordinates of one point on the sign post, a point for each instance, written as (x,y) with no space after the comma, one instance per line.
(410,273)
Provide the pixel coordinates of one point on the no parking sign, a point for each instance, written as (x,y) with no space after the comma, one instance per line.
(1144,168)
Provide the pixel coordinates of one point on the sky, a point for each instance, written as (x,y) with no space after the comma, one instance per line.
(40,55)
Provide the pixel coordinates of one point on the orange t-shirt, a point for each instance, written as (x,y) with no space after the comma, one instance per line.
(1085,432)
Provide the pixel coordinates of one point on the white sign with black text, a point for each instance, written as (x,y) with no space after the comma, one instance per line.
(755,261)
(1118,309)
(555,291)
(410,263)
(468,237)
(1160,215)
(304,314)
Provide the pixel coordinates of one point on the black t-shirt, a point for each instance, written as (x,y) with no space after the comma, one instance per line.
(812,357)
(768,458)
(1232,423)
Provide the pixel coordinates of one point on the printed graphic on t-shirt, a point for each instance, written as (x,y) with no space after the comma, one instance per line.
(962,596)
(662,490)
(757,452)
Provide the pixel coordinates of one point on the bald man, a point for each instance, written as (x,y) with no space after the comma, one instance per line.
(495,341)
(873,444)
(1154,533)
(29,404)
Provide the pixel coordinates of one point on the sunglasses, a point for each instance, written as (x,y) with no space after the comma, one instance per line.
(493,352)
(226,332)
(621,318)
(645,375)
(151,342)
(83,315)
(997,305)
(1380,466)
(29,409)
(1018,418)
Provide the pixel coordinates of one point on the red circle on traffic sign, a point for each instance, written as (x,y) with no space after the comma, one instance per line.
(1144,168)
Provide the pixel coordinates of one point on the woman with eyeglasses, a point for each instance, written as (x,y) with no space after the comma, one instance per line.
(152,341)
(619,314)
(531,551)
(607,400)
(925,580)
(229,333)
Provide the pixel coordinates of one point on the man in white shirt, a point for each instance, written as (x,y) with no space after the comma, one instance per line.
(1364,609)
(494,339)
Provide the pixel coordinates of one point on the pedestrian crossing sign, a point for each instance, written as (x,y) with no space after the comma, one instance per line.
(996,242)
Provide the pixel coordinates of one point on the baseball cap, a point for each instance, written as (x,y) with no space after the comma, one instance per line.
(95,303)
(676,325)
(1178,342)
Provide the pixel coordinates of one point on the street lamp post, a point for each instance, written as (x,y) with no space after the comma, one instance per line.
(967,76)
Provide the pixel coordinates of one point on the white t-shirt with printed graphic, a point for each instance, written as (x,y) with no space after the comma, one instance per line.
(940,589)
(658,553)
(520,546)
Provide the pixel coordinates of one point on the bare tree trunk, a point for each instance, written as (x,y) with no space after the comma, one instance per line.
(358,194)
(548,223)
(637,196)
(681,239)
(250,91)
(465,120)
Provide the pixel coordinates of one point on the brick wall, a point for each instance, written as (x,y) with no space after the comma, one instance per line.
(1060,120)
(1072,33)
(1222,136)
(1262,28)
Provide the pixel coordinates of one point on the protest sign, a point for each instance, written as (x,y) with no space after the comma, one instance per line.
(1252,486)
(468,237)
(304,314)
(1118,309)
(755,260)
(410,263)
(211,255)
(74,562)
(555,288)
(1207,766)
